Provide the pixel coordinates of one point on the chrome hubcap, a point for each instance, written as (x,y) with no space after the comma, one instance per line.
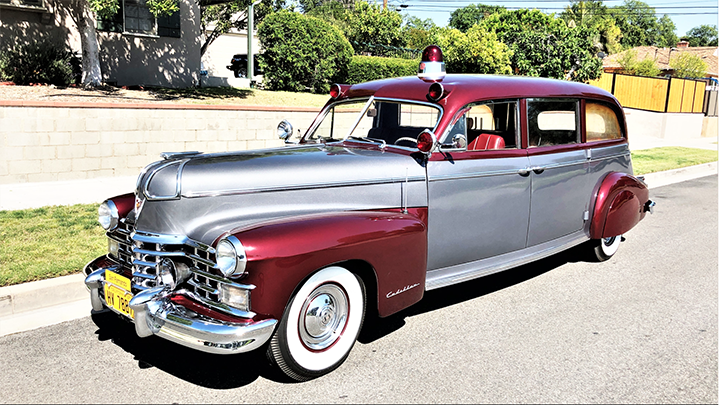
(323,317)
(609,241)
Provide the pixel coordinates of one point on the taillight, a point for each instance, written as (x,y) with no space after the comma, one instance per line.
(426,141)
(335,91)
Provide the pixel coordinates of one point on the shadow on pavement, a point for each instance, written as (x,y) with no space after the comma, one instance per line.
(376,328)
(234,371)
(204,369)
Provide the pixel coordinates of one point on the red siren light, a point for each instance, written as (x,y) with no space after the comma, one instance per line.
(432,66)
(426,141)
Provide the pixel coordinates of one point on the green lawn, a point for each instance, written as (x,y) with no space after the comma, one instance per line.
(660,159)
(53,241)
(48,242)
(233,96)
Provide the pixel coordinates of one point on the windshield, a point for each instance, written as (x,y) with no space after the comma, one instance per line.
(388,121)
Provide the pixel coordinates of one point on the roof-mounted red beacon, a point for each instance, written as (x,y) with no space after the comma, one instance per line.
(432,66)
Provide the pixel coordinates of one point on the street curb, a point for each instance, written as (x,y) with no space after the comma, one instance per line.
(46,302)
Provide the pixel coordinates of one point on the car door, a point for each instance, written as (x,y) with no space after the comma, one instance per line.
(559,164)
(478,194)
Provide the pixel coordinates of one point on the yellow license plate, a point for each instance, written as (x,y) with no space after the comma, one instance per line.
(117,293)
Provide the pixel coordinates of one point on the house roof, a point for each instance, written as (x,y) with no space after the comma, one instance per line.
(709,54)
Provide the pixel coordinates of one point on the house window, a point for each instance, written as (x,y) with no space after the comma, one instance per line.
(134,17)
(24,3)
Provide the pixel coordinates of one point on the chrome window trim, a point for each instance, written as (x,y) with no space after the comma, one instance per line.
(321,116)
(518,134)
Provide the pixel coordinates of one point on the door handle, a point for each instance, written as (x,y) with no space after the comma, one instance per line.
(537,169)
(524,172)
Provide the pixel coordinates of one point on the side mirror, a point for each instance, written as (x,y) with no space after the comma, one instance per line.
(458,142)
(285,130)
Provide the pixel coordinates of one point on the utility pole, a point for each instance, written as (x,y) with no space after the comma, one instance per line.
(250,58)
(384,4)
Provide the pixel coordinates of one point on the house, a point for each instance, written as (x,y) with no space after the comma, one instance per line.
(662,57)
(135,47)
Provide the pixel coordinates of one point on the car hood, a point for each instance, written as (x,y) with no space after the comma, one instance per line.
(204,195)
(293,168)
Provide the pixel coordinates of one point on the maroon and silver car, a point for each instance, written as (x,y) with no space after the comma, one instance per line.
(399,186)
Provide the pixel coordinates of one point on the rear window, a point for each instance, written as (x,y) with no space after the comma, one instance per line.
(601,123)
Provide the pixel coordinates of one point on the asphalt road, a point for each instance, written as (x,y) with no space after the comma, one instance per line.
(640,328)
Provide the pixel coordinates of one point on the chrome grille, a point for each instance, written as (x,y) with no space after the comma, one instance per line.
(141,255)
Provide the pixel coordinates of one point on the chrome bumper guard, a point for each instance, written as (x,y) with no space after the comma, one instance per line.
(156,314)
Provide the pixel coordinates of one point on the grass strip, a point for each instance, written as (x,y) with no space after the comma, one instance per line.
(48,242)
(667,158)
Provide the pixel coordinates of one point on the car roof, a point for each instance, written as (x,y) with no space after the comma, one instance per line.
(463,89)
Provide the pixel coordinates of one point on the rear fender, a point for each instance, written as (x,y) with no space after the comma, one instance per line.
(619,205)
(281,254)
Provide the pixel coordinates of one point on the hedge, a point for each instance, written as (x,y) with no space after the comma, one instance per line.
(367,68)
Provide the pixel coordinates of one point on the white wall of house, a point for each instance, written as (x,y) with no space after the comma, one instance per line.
(126,59)
(218,56)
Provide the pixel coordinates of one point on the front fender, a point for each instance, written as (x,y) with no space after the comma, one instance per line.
(283,253)
(619,205)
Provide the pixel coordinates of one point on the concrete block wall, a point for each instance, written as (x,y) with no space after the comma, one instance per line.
(46,143)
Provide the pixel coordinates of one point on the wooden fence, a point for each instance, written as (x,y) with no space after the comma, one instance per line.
(655,93)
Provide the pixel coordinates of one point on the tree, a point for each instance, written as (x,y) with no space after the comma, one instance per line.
(637,23)
(84,14)
(594,15)
(703,35)
(688,65)
(418,32)
(369,26)
(666,32)
(476,51)
(545,46)
(464,18)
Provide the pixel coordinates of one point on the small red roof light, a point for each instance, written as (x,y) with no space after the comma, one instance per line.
(436,91)
(432,66)
(426,141)
(432,53)
(335,91)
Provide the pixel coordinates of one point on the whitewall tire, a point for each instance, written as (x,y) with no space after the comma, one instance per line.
(320,325)
(605,248)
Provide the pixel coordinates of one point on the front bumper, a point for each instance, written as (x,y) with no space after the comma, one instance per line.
(157,314)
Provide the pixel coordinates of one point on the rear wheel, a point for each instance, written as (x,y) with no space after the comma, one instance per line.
(321,324)
(605,248)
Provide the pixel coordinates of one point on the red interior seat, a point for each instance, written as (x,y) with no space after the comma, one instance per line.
(487,141)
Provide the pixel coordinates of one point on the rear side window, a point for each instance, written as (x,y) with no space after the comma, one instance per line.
(601,123)
(553,122)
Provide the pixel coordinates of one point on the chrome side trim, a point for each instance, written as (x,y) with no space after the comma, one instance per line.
(165,239)
(303,187)
(473,175)
(467,271)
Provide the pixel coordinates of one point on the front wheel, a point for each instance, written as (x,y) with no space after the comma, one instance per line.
(320,325)
(605,248)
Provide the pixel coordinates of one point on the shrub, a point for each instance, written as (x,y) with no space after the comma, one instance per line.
(366,68)
(302,53)
(37,62)
(632,66)
(477,51)
(687,65)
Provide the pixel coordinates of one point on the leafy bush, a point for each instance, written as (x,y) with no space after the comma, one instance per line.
(477,51)
(302,53)
(688,65)
(37,62)
(366,68)
(630,65)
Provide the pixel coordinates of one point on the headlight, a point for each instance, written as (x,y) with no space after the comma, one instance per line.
(230,254)
(108,215)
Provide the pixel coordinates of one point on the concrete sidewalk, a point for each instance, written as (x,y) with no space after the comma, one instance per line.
(42,303)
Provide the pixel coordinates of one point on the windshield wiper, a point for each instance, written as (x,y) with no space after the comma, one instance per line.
(368,139)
